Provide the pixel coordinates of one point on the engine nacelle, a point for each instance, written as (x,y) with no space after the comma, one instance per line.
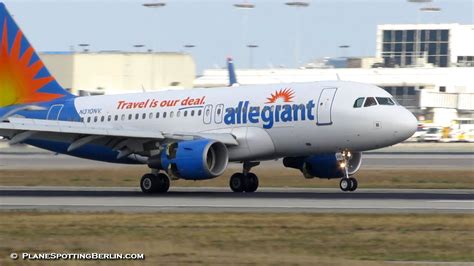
(324,165)
(193,159)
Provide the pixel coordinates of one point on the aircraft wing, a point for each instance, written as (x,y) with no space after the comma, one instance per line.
(122,139)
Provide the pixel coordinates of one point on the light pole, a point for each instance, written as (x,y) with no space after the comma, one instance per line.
(188,47)
(153,5)
(138,46)
(417,49)
(251,47)
(244,7)
(344,47)
(85,47)
(298,27)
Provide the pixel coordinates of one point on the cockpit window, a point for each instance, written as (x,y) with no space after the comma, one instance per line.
(385,101)
(358,103)
(370,101)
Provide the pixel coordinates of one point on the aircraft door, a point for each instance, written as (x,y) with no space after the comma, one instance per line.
(54,111)
(207,116)
(325,106)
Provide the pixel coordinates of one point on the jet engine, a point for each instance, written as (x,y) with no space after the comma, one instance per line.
(328,165)
(192,160)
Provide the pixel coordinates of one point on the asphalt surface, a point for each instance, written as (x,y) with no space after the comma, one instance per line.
(222,200)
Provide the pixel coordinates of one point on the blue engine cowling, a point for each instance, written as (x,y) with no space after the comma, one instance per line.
(193,159)
(323,165)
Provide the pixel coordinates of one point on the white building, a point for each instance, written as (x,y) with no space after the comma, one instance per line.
(114,72)
(442,45)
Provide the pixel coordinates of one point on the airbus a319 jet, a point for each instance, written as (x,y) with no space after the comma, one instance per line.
(319,128)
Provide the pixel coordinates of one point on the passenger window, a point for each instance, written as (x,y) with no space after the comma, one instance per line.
(143,116)
(164,114)
(178,113)
(89,119)
(109,118)
(130,117)
(385,101)
(116,117)
(199,112)
(192,113)
(370,101)
(157,114)
(95,119)
(185,113)
(123,117)
(358,103)
(171,114)
(150,116)
(82,119)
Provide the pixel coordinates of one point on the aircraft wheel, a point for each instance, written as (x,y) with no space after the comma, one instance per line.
(148,183)
(354,184)
(252,182)
(345,184)
(237,182)
(163,183)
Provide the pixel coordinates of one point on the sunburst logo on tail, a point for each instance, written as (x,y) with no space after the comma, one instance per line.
(19,83)
(286,95)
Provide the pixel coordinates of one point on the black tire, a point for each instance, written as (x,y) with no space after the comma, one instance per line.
(251,182)
(148,183)
(354,184)
(237,182)
(345,184)
(163,183)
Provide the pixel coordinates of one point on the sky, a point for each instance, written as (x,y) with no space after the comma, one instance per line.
(286,36)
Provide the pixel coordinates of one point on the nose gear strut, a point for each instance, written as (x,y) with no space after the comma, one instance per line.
(347,183)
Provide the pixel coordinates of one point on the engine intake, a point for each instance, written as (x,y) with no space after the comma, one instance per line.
(193,160)
(323,165)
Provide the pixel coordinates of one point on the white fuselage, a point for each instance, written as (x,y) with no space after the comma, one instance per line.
(315,118)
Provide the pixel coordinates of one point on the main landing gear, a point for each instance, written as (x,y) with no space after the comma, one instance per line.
(155,183)
(245,181)
(347,183)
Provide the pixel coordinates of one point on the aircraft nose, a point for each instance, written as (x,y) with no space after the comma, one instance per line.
(407,125)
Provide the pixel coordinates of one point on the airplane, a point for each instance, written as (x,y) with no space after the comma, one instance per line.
(318,128)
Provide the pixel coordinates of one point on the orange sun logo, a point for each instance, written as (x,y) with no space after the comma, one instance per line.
(18,82)
(286,95)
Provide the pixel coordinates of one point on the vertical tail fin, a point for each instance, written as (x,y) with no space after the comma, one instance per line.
(23,76)
(232,76)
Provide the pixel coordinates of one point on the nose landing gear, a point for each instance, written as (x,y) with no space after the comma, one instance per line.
(347,183)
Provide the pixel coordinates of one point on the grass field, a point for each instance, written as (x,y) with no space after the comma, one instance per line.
(390,178)
(244,238)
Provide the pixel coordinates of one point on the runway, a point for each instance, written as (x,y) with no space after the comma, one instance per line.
(222,200)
